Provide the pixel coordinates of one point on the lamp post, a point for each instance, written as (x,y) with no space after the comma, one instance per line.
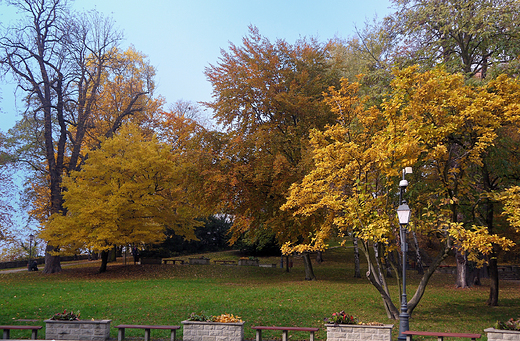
(31,238)
(403,213)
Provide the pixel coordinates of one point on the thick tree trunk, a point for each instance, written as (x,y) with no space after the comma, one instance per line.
(493,287)
(52,263)
(309,272)
(104,261)
(462,270)
(357,268)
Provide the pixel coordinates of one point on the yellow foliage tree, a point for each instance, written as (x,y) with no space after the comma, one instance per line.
(431,121)
(126,193)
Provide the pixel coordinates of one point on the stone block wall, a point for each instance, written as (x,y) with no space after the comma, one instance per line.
(248,262)
(77,330)
(212,331)
(199,261)
(348,332)
(500,335)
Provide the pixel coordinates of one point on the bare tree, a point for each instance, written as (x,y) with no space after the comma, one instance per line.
(57,59)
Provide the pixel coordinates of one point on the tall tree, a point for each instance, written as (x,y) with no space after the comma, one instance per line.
(267,96)
(431,121)
(45,53)
(80,90)
(478,38)
(127,192)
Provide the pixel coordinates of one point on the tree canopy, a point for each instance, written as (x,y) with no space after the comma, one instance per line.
(431,121)
(125,194)
(466,36)
(267,96)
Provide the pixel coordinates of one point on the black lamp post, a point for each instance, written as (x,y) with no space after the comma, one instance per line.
(403,213)
(31,238)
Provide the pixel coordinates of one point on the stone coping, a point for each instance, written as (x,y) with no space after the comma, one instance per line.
(384,326)
(504,331)
(214,323)
(79,321)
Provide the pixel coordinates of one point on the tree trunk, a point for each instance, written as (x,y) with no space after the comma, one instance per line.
(462,270)
(319,257)
(104,261)
(493,287)
(357,268)
(112,255)
(52,263)
(309,272)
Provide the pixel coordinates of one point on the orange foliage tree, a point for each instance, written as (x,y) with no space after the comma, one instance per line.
(267,96)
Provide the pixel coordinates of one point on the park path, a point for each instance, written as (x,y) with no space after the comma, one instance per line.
(63,264)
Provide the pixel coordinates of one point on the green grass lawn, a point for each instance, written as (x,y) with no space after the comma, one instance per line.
(167,294)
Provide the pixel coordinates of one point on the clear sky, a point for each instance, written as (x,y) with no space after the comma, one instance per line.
(181,38)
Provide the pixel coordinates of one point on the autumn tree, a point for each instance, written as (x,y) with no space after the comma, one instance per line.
(80,89)
(267,96)
(497,175)
(431,121)
(125,94)
(478,38)
(127,192)
(47,54)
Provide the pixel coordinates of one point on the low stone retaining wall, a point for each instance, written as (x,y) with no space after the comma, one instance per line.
(248,262)
(499,334)
(97,330)
(351,332)
(212,331)
(199,261)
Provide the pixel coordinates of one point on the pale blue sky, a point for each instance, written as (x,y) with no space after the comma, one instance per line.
(181,38)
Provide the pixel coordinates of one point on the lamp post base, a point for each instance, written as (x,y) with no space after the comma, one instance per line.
(403,325)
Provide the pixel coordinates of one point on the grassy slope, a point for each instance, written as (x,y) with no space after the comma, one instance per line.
(159,294)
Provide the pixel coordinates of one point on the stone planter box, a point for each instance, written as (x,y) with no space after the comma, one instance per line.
(199,261)
(348,332)
(98,330)
(212,331)
(248,262)
(500,334)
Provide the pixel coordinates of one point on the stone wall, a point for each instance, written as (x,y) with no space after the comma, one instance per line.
(347,332)
(199,261)
(499,335)
(212,331)
(77,330)
(248,262)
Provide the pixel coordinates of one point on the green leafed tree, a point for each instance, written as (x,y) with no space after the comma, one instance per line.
(467,36)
